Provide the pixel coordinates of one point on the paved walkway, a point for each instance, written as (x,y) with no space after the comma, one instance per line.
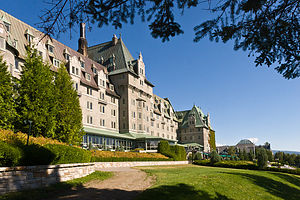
(126,184)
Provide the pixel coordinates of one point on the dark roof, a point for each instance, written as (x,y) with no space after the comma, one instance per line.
(245,141)
(183,117)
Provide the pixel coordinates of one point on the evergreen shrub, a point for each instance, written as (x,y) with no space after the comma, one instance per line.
(35,154)
(9,155)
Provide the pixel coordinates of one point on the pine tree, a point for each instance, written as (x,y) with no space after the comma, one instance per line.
(68,111)
(7,103)
(262,158)
(36,96)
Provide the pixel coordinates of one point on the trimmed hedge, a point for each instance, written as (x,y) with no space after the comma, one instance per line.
(68,154)
(175,152)
(9,155)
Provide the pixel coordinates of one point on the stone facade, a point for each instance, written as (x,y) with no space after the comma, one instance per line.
(194,128)
(29,177)
(119,108)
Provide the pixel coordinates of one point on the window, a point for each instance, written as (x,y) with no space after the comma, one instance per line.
(89,105)
(89,119)
(113,112)
(123,101)
(102,122)
(50,48)
(77,72)
(133,115)
(67,56)
(56,62)
(113,124)
(102,95)
(123,113)
(76,86)
(113,99)
(140,115)
(152,123)
(7,26)
(102,109)
(140,127)
(111,87)
(133,102)
(89,91)
(157,125)
(88,77)
(29,38)
(73,70)
(82,64)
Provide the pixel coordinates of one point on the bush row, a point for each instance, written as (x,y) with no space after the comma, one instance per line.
(244,165)
(13,155)
(50,154)
(124,159)
(175,152)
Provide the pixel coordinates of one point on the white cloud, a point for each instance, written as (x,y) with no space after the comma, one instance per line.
(254,140)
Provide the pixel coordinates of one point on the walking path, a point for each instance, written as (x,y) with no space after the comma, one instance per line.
(126,184)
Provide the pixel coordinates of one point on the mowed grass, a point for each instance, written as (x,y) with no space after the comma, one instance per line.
(211,183)
(43,193)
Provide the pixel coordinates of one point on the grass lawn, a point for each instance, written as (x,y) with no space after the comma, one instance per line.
(42,193)
(199,182)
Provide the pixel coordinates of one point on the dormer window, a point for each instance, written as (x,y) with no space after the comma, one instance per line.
(82,64)
(29,36)
(50,46)
(7,26)
(88,77)
(111,87)
(67,54)
(56,62)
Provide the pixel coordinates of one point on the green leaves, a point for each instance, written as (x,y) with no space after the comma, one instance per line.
(68,111)
(7,101)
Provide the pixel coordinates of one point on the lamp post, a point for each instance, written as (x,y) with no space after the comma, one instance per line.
(28,122)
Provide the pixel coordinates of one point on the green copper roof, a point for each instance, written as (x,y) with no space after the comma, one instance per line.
(107,133)
(246,141)
(183,117)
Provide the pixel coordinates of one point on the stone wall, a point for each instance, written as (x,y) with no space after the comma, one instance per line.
(29,177)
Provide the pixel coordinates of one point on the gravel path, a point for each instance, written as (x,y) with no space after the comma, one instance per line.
(126,184)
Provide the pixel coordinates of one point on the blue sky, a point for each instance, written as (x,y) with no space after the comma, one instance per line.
(244,101)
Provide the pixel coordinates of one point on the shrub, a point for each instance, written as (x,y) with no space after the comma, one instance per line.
(175,152)
(202,162)
(214,157)
(124,159)
(9,155)
(198,156)
(36,155)
(236,164)
(118,154)
(67,154)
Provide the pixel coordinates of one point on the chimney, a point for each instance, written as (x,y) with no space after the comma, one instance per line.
(82,42)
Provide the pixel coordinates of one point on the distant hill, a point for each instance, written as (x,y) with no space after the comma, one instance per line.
(289,152)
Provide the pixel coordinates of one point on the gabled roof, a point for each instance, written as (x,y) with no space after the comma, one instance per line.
(122,57)
(196,112)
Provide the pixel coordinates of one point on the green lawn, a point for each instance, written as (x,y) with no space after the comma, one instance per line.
(42,193)
(200,182)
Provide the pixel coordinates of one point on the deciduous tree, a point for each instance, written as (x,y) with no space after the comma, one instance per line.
(268,29)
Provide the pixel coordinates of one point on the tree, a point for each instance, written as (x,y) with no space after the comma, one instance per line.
(7,103)
(251,155)
(214,157)
(268,29)
(36,100)
(68,112)
(270,155)
(231,151)
(262,158)
(279,156)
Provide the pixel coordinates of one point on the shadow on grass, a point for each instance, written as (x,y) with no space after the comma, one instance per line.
(289,178)
(274,187)
(178,192)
